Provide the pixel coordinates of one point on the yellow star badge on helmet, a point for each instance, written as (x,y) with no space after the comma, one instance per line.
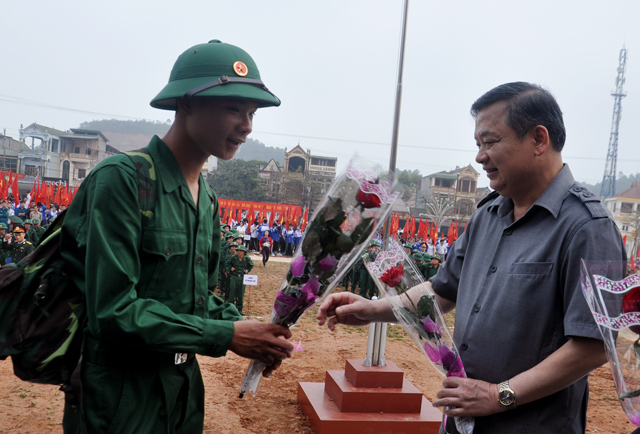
(240,69)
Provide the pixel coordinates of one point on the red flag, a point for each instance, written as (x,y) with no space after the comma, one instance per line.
(15,191)
(305,218)
(624,241)
(251,214)
(272,215)
(465,227)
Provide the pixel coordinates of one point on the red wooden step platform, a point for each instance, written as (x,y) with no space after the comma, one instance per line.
(367,400)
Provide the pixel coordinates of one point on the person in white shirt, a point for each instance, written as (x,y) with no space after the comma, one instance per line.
(247,233)
(254,236)
(430,249)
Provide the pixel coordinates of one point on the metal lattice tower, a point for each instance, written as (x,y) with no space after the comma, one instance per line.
(609,178)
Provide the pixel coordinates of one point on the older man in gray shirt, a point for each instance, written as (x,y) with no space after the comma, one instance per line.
(524,331)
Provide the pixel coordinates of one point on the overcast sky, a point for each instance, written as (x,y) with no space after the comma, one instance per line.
(334,65)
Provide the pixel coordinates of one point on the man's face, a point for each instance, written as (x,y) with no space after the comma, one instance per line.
(2,233)
(18,236)
(63,207)
(233,250)
(508,161)
(423,247)
(435,262)
(240,254)
(218,126)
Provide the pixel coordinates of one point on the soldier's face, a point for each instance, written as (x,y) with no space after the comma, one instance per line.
(240,254)
(218,126)
(18,236)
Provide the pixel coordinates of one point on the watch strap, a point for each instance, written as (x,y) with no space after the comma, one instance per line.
(504,387)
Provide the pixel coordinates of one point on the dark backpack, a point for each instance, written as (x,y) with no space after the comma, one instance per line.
(42,312)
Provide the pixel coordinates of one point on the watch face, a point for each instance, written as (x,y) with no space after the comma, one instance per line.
(506,397)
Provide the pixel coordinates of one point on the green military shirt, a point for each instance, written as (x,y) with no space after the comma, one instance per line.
(18,251)
(149,286)
(240,266)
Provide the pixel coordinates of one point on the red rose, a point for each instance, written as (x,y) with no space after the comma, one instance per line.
(631,303)
(393,276)
(368,200)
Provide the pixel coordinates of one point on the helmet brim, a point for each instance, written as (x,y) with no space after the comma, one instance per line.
(166,99)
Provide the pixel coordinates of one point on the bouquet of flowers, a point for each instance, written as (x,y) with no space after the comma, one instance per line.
(615,306)
(419,314)
(339,230)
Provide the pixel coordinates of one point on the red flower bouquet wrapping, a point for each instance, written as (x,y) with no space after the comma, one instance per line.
(615,306)
(338,232)
(419,314)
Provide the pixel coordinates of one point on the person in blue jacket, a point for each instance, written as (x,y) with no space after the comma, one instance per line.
(275,235)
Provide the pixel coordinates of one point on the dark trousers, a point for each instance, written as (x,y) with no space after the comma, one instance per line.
(254,244)
(266,251)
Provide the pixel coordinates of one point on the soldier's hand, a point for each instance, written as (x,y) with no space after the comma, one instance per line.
(345,308)
(261,341)
(246,271)
(233,268)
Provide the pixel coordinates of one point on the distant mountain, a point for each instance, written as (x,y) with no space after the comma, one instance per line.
(130,135)
(623,182)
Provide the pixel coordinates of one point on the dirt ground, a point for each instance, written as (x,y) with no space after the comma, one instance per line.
(32,408)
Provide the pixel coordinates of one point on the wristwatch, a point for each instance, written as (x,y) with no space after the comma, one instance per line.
(506,396)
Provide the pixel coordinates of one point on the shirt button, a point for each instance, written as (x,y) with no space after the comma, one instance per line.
(168,251)
(199,300)
(199,260)
(508,232)
(476,308)
(494,268)
(464,347)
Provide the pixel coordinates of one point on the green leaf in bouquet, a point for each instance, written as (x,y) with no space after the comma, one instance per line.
(332,208)
(426,307)
(636,348)
(409,315)
(630,394)
(362,230)
(311,246)
(344,243)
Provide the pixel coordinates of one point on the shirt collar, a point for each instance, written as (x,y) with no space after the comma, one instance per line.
(551,199)
(168,167)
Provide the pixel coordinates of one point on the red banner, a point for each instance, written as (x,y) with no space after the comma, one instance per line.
(271,211)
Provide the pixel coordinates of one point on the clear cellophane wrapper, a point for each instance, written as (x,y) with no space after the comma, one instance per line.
(394,273)
(615,305)
(343,223)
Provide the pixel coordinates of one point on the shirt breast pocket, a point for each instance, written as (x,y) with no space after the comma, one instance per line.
(531,268)
(163,259)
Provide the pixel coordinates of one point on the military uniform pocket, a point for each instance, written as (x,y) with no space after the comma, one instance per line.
(164,252)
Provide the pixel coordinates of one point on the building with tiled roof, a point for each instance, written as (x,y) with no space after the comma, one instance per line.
(625,208)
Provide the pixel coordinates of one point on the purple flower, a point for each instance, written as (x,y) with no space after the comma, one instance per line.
(457,370)
(310,289)
(432,353)
(297,266)
(285,304)
(634,418)
(430,326)
(328,263)
(447,357)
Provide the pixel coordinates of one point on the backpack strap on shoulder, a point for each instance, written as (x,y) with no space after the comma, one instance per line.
(147,182)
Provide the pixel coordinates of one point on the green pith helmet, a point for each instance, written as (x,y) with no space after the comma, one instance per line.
(15,219)
(214,69)
(426,257)
(436,257)
(225,226)
(233,245)
(228,235)
(417,257)
(374,243)
(241,249)
(408,245)
(35,221)
(27,222)
(3,226)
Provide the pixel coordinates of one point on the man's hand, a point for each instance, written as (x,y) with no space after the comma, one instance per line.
(246,271)
(346,308)
(468,398)
(261,341)
(233,268)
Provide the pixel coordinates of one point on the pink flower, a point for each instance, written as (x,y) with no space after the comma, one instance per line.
(328,263)
(432,353)
(285,304)
(298,348)
(310,289)
(297,266)
(457,370)
(447,357)
(430,326)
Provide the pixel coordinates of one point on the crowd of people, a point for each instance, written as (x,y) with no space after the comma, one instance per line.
(22,226)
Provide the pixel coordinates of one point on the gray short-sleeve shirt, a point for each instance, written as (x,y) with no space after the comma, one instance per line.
(518,299)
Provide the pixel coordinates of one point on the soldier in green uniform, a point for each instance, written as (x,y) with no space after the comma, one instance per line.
(149,278)
(407,248)
(237,266)
(37,231)
(224,276)
(27,230)
(19,247)
(432,268)
(367,287)
(4,247)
